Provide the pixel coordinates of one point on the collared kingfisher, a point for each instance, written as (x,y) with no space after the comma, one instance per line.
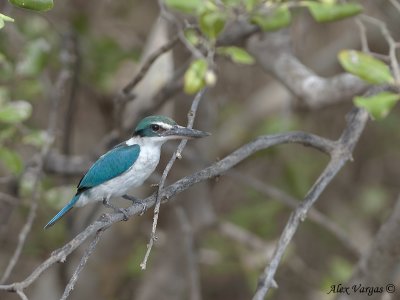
(128,164)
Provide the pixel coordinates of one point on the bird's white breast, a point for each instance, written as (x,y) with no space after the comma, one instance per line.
(146,163)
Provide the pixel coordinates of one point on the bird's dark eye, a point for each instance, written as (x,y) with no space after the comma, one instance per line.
(155,127)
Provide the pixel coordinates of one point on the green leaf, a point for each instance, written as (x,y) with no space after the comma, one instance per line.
(378,105)
(238,55)
(212,23)
(15,112)
(57,196)
(277,19)
(365,66)
(251,4)
(37,5)
(35,138)
(35,57)
(192,7)
(7,133)
(4,95)
(6,68)
(231,2)
(11,160)
(192,36)
(194,79)
(4,18)
(327,12)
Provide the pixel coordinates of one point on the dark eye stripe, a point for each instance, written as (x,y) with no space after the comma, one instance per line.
(155,127)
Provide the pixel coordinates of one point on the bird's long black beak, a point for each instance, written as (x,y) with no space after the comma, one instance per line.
(183,132)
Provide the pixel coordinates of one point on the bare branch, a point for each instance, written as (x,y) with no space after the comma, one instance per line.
(177,154)
(243,236)
(8,198)
(51,128)
(340,155)
(314,215)
(273,52)
(193,270)
(179,28)
(391,42)
(82,263)
(378,265)
(396,4)
(218,168)
(363,35)
(148,63)
(71,60)
(22,295)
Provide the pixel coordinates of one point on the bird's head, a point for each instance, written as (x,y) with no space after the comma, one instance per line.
(166,129)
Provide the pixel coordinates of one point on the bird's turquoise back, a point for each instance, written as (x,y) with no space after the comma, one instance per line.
(110,165)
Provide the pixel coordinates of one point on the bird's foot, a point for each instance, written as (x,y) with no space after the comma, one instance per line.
(123,211)
(136,201)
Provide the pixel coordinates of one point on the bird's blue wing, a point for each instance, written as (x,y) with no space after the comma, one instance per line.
(110,165)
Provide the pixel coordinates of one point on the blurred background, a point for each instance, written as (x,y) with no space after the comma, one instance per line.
(217,237)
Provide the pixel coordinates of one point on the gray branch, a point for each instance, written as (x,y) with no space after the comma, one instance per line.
(71,284)
(216,169)
(339,156)
(273,53)
(55,97)
(378,265)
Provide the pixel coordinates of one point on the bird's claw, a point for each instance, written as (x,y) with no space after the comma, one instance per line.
(144,207)
(136,201)
(124,211)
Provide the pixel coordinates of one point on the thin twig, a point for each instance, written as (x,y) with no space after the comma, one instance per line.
(167,194)
(363,35)
(340,155)
(177,154)
(8,198)
(51,128)
(314,215)
(391,42)
(126,95)
(72,60)
(148,63)
(395,4)
(82,263)
(193,270)
(379,264)
(22,295)
(242,236)
(164,13)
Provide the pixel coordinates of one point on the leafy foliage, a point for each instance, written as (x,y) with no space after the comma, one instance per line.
(212,22)
(11,160)
(365,66)
(4,18)
(328,12)
(277,19)
(373,71)
(15,112)
(378,105)
(213,16)
(237,54)
(37,5)
(194,79)
(185,6)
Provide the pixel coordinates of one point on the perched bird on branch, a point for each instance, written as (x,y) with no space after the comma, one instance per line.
(128,164)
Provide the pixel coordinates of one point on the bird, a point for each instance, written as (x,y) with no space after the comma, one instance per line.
(128,164)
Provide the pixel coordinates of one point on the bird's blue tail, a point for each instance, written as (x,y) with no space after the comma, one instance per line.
(62,212)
